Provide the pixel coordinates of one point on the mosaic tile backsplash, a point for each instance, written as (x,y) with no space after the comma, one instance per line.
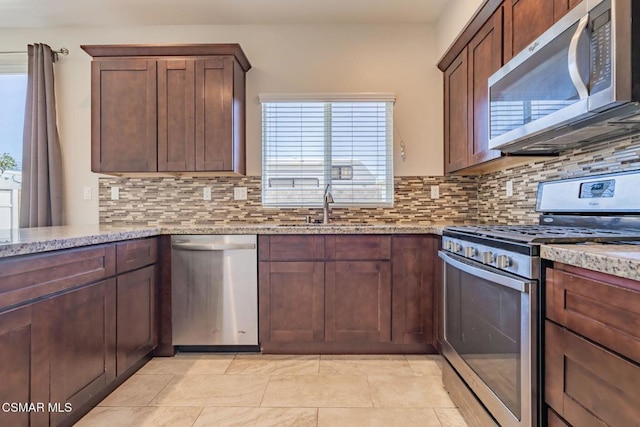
(179,201)
(495,207)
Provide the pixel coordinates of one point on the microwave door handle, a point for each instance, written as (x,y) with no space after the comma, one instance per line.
(574,71)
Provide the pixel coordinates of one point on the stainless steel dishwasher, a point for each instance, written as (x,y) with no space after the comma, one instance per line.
(214,292)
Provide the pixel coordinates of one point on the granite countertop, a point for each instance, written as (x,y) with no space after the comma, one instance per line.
(43,239)
(619,259)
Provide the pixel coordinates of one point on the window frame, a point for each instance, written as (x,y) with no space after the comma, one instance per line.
(333,173)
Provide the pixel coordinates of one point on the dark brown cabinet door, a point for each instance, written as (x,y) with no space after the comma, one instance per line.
(358,301)
(135,316)
(176,115)
(291,296)
(526,20)
(23,367)
(588,385)
(214,114)
(123,116)
(456,114)
(485,58)
(413,292)
(82,332)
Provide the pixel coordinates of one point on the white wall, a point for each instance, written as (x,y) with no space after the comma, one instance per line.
(452,20)
(348,58)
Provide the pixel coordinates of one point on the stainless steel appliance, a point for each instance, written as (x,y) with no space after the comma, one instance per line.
(494,288)
(578,82)
(214,292)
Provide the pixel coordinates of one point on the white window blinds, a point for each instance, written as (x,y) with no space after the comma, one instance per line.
(311,141)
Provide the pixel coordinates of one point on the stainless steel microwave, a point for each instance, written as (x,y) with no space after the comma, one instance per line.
(579,82)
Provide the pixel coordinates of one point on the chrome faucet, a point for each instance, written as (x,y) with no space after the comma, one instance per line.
(326,199)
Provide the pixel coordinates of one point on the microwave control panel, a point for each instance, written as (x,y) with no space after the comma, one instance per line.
(600,25)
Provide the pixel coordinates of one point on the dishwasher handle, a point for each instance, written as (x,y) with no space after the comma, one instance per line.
(212,246)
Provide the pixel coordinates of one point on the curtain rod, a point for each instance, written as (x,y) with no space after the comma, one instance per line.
(62,51)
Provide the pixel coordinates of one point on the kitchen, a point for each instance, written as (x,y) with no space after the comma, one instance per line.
(311,58)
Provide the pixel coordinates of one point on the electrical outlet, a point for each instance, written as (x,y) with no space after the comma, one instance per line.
(435,191)
(115,193)
(239,193)
(509,188)
(86,193)
(206,193)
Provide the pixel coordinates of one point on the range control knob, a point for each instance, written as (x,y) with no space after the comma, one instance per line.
(456,247)
(449,245)
(503,261)
(487,257)
(469,251)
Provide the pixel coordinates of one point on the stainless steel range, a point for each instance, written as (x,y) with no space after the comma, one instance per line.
(494,288)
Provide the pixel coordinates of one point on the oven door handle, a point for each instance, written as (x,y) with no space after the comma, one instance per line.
(503,279)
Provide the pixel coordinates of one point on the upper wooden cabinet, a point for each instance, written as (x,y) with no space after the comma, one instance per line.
(497,32)
(525,20)
(174,108)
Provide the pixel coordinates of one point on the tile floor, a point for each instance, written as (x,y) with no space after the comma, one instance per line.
(279,390)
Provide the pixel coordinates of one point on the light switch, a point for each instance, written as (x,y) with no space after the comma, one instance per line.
(115,193)
(206,194)
(239,193)
(86,193)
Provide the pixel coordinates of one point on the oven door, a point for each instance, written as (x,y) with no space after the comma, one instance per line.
(490,336)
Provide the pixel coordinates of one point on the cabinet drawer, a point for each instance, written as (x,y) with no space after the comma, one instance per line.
(33,276)
(136,254)
(588,385)
(291,248)
(354,248)
(606,313)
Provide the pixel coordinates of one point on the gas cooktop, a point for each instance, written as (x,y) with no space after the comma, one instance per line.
(546,233)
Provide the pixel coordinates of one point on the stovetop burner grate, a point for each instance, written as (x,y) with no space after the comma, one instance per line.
(547,233)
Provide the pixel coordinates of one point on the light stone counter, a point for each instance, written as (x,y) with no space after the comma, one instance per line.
(618,260)
(43,239)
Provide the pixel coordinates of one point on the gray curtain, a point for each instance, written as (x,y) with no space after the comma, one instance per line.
(41,199)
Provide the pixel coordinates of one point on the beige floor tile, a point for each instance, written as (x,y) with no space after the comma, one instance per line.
(393,391)
(425,364)
(377,417)
(188,364)
(257,417)
(365,365)
(140,417)
(450,417)
(274,364)
(212,390)
(138,390)
(338,391)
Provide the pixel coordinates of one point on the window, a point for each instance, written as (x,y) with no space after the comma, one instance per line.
(311,141)
(13,90)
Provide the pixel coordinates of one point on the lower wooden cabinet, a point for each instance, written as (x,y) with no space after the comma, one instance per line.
(76,330)
(357,301)
(592,348)
(24,370)
(82,341)
(136,322)
(587,384)
(346,293)
(291,296)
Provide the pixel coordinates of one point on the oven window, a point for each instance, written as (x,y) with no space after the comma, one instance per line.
(483,326)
